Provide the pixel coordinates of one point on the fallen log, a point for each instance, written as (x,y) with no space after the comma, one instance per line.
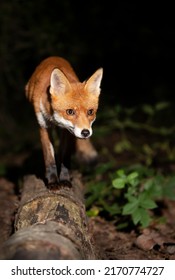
(50,224)
(8,208)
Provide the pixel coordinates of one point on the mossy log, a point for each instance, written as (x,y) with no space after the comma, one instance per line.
(50,224)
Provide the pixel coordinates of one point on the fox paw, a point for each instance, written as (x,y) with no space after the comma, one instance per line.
(65,184)
(85,152)
(64,173)
(53,186)
(87,158)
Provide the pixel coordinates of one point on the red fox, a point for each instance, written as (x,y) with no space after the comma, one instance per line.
(60,99)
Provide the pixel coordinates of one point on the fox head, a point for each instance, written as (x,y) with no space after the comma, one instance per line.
(75,104)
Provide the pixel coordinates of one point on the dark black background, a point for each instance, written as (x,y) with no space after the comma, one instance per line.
(134,41)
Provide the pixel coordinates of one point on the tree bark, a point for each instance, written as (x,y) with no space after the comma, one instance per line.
(50,224)
(8,207)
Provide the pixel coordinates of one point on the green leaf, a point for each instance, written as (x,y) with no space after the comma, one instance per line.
(132,178)
(146,202)
(148,109)
(94,192)
(149,204)
(162,105)
(136,216)
(130,207)
(119,183)
(121,173)
(123,145)
(102,168)
(153,186)
(145,218)
(149,183)
(169,188)
(93,212)
(112,209)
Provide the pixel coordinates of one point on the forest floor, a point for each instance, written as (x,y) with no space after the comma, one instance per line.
(153,242)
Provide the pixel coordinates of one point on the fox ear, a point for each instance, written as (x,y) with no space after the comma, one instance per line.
(59,84)
(93,83)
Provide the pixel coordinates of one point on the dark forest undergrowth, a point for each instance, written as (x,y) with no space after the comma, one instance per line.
(130,193)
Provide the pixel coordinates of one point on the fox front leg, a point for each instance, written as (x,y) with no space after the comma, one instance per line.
(49,158)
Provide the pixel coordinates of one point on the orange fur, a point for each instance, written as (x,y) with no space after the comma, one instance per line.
(60,98)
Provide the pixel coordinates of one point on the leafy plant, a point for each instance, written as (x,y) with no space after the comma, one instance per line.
(133,193)
(138,200)
(141,193)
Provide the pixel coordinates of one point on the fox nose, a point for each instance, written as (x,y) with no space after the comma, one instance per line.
(85,133)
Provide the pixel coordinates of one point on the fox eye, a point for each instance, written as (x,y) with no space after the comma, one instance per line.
(70,112)
(90,112)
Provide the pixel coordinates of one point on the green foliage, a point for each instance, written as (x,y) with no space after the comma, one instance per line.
(138,199)
(148,118)
(134,193)
(145,131)
(131,195)
(100,192)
